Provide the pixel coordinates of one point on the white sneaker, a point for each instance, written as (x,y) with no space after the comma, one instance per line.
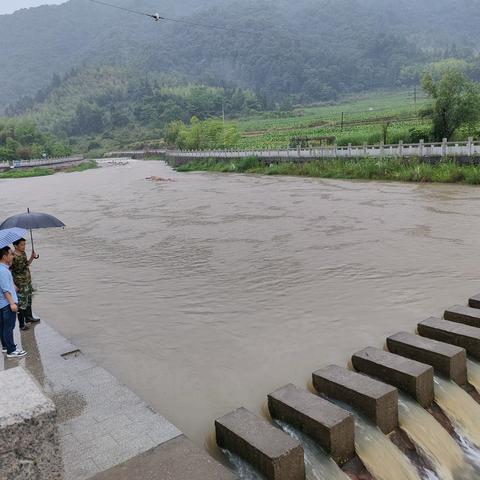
(4,350)
(17,354)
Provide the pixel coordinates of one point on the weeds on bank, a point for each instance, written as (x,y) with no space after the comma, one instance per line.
(402,170)
(43,171)
(82,167)
(30,172)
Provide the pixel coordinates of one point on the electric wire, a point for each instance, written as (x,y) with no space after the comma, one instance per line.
(158,17)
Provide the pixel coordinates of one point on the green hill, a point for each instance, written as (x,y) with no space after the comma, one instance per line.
(309,50)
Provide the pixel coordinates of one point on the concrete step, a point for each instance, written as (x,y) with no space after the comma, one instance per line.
(454,333)
(378,401)
(177,459)
(446,359)
(331,426)
(474,302)
(410,376)
(466,315)
(272,452)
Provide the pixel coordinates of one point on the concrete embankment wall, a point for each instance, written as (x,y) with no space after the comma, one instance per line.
(29,437)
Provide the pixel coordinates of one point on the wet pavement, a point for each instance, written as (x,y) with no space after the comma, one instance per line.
(101,422)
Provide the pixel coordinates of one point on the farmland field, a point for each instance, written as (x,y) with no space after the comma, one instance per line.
(364,119)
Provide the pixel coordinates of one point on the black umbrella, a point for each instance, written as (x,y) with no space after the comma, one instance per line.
(31,221)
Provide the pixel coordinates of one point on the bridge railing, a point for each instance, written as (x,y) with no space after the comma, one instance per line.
(40,162)
(421,149)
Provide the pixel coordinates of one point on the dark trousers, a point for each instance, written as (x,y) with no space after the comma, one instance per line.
(7,326)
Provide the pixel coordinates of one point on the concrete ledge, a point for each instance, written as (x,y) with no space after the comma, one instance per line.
(474,302)
(268,449)
(460,314)
(412,377)
(446,359)
(331,426)
(177,459)
(456,334)
(29,439)
(378,401)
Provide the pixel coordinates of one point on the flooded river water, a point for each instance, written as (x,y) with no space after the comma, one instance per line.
(206,293)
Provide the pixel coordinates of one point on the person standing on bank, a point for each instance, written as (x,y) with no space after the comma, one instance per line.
(23,281)
(8,306)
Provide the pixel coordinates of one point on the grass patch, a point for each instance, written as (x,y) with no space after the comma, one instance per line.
(28,172)
(44,171)
(401,170)
(82,167)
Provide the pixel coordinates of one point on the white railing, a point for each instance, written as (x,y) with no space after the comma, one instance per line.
(421,149)
(41,162)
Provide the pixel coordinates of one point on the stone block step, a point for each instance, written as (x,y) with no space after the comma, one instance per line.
(446,359)
(331,426)
(466,315)
(474,302)
(272,452)
(410,376)
(454,333)
(378,401)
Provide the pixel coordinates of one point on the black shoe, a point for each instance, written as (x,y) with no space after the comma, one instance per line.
(30,317)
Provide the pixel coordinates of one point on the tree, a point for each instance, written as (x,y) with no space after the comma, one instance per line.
(456,102)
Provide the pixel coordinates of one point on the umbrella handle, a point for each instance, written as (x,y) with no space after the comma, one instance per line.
(31,238)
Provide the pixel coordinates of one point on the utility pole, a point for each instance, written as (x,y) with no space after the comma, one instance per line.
(223,111)
(415,98)
(343,116)
(223,119)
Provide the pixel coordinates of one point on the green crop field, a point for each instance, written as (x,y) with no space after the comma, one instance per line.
(364,119)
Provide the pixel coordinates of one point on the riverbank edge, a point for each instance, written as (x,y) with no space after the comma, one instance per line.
(105,429)
(408,170)
(88,164)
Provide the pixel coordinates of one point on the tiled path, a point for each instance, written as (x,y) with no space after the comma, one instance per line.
(102,423)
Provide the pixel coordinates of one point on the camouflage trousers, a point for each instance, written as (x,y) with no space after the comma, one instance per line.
(24,295)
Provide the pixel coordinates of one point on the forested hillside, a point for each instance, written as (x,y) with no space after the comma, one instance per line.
(308,49)
(92,100)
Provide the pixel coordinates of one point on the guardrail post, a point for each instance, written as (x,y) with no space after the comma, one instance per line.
(421,148)
(336,150)
(400,148)
(382,149)
(470,146)
(349,150)
(444,147)
(365,149)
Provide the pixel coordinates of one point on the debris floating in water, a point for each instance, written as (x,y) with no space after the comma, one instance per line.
(154,178)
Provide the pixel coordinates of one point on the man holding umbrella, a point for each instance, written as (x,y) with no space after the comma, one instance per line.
(23,281)
(8,306)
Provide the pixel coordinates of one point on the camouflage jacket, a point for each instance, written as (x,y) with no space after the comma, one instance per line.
(21,271)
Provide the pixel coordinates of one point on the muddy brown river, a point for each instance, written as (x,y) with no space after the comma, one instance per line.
(206,293)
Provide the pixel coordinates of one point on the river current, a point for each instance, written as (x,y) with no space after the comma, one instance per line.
(206,293)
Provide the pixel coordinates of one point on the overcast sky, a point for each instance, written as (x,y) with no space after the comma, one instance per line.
(9,6)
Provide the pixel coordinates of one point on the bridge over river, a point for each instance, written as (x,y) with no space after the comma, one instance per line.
(468,151)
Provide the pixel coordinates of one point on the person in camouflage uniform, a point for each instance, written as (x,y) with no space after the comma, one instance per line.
(23,281)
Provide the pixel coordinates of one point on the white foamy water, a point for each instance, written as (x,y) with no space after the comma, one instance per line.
(318,465)
(242,469)
(383,459)
(434,442)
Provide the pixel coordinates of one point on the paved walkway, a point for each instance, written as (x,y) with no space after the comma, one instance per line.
(102,423)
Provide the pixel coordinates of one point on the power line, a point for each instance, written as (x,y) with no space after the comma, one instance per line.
(157,17)
(99,2)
